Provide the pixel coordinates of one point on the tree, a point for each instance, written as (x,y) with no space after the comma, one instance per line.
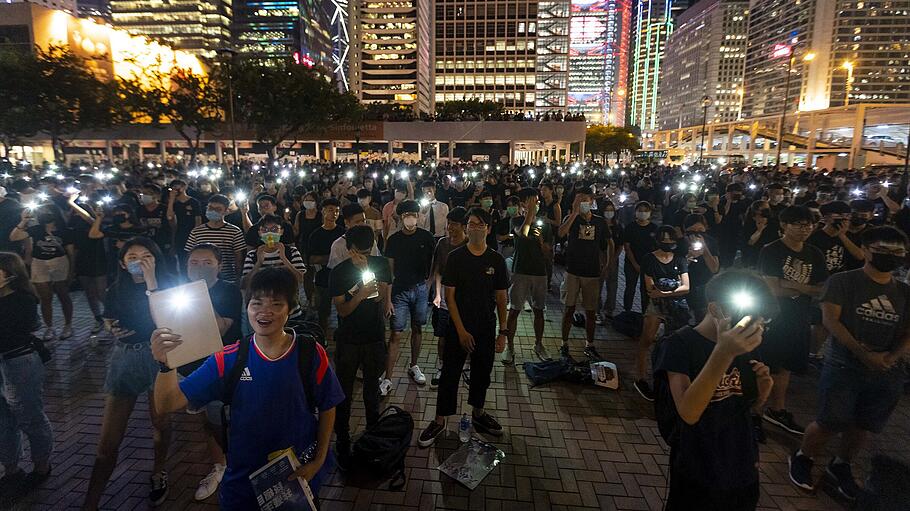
(280,102)
(194,106)
(606,140)
(70,98)
(18,71)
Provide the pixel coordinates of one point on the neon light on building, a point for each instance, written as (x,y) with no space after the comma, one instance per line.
(654,25)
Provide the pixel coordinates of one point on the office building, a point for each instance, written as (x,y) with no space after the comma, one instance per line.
(488,51)
(66,5)
(274,29)
(94,9)
(599,59)
(653,25)
(341,40)
(196,26)
(704,58)
(389,52)
(552,53)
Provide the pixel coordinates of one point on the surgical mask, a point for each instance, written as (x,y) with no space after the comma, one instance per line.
(886,262)
(399,195)
(775,199)
(609,214)
(134,268)
(207,273)
(475,237)
(270,238)
(486,203)
(364,202)
(309,204)
(584,207)
(559,190)
(409,222)
(146,199)
(690,205)
(667,247)
(45,219)
(642,215)
(512,210)
(213,216)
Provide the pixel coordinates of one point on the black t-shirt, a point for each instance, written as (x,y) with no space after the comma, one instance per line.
(476,280)
(366,324)
(806,267)
(719,451)
(126,302)
(657,270)
(699,274)
(90,256)
(155,221)
(307,226)
(320,244)
(185,213)
(412,256)
(732,220)
(529,258)
(641,239)
(227,302)
(460,198)
(833,249)
(587,240)
(18,320)
(49,245)
(10,215)
(118,234)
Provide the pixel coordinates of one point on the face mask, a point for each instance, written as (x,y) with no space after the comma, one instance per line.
(486,203)
(886,263)
(309,204)
(270,238)
(512,210)
(45,219)
(642,215)
(584,207)
(207,273)
(134,268)
(690,205)
(667,247)
(213,216)
(409,222)
(206,188)
(146,199)
(609,214)
(775,200)
(559,190)
(476,237)
(858,221)
(365,202)
(399,195)
(121,219)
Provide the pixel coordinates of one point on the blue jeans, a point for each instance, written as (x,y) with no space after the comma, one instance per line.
(409,301)
(22,409)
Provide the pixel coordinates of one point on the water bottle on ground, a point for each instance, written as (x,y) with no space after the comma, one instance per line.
(464,428)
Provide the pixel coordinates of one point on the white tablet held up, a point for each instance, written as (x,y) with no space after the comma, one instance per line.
(187,311)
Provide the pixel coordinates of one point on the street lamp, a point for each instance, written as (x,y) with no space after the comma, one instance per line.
(848,87)
(705,103)
(229,54)
(808,57)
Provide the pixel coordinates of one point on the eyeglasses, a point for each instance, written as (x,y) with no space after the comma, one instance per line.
(476,225)
(802,225)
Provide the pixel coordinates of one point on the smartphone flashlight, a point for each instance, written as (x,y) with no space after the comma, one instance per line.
(31,205)
(349,174)
(539,223)
(240,197)
(424,202)
(697,246)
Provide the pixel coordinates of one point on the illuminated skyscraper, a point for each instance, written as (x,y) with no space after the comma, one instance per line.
(552,55)
(268,29)
(705,56)
(653,25)
(598,59)
(197,26)
(68,5)
(338,11)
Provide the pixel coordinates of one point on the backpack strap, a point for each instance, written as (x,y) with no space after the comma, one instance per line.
(230,383)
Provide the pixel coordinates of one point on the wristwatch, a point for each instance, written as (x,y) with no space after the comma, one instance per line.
(148,292)
(163,368)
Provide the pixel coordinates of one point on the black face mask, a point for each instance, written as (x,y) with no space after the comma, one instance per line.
(858,221)
(886,263)
(121,218)
(737,196)
(667,247)
(45,219)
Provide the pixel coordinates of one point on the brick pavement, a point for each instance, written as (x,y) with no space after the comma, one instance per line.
(567,446)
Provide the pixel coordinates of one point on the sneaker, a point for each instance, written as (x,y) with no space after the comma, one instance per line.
(49,334)
(843,476)
(487,424)
(417,375)
(159,488)
(99,326)
(209,484)
(644,388)
(592,353)
(430,434)
(600,320)
(34,479)
(758,429)
(434,381)
(564,352)
(784,420)
(508,356)
(542,353)
(67,332)
(801,471)
(466,376)
(385,387)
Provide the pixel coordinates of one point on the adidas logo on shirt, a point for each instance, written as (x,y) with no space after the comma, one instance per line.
(879,308)
(245,375)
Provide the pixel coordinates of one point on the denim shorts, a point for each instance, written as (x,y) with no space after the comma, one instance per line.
(131,371)
(409,301)
(857,397)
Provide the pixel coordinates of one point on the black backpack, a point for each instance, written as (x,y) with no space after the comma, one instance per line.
(628,323)
(306,336)
(382,448)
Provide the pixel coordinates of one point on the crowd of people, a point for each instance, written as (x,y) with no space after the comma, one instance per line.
(744,276)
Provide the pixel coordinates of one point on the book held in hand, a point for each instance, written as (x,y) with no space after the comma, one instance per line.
(274,492)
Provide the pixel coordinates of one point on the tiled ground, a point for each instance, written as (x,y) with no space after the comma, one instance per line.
(567,447)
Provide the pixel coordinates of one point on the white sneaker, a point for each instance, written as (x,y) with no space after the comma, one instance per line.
(385,387)
(417,375)
(67,332)
(209,485)
(49,334)
(508,356)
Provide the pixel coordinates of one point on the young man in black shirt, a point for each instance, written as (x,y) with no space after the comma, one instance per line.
(832,239)
(587,247)
(475,281)
(866,311)
(266,205)
(186,213)
(318,248)
(638,240)
(708,379)
(700,250)
(410,253)
(455,238)
(795,271)
(733,208)
(153,215)
(359,286)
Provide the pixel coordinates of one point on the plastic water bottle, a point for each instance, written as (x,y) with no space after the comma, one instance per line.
(464,428)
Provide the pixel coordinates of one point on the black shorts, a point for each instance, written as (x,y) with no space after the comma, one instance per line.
(440,321)
(785,344)
(687,495)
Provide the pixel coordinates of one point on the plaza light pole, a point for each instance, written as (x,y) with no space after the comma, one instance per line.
(907,151)
(231,53)
(705,103)
(783,112)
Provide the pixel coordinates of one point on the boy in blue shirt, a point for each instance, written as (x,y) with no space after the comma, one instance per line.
(269,411)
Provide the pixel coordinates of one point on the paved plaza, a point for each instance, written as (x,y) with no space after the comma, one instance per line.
(567,446)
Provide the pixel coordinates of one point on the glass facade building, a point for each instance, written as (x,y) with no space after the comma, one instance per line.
(196,26)
(653,26)
(269,29)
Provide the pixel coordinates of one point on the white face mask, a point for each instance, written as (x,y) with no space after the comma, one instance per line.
(609,214)
(309,204)
(364,202)
(642,215)
(409,222)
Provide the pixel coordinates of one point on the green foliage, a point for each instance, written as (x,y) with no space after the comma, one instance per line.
(606,140)
(18,71)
